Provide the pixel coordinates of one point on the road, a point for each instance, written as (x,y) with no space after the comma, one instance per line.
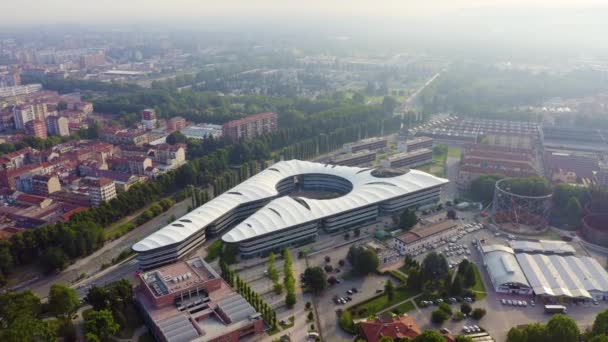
(407,105)
(92,263)
(452,167)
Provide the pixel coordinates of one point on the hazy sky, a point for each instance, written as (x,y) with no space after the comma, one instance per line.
(27,12)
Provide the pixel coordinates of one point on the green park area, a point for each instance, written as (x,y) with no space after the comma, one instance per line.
(380,302)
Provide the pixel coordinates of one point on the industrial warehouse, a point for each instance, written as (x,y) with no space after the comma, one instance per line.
(287,204)
(549,269)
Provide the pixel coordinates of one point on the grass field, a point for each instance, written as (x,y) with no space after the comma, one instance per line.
(478,288)
(380,302)
(454,152)
(403,308)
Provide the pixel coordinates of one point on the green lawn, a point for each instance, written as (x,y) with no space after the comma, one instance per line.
(380,302)
(454,152)
(403,308)
(478,288)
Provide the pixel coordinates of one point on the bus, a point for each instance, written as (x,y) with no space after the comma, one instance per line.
(555,309)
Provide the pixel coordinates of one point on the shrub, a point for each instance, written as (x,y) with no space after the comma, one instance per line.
(459,316)
(446,308)
(439,316)
(478,313)
(466,308)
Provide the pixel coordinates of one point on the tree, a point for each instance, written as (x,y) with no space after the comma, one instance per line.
(14,305)
(407,219)
(600,324)
(290,299)
(434,267)
(535,332)
(451,214)
(456,287)
(562,328)
(90,337)
(62,105)
(55,259)
(358,98)
(463,338)
(63,301)
(389,104)
(429,336)
(465,308)
(176,138)
(414,280)
(308,305)
(315,278)
(357,232)
(310,316)
(516,335)
(439,316)
(478,313)
(99,298)
(102,324)
(483,187)
(386,339)
(389,290)
(573,212)
(446,308)
(272,271)
(346,322)
(598,338)
(362,259)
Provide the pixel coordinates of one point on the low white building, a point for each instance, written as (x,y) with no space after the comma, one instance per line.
(505,273)
(547,269)
(423,236)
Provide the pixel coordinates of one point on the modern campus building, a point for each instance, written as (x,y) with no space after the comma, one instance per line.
(549,269)
(355,159)
(371,144)
(287,204)
(416,143)
(189,301)
(409,159)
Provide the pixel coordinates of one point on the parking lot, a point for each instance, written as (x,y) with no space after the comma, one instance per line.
(366,287)
(497,322)
(500,317)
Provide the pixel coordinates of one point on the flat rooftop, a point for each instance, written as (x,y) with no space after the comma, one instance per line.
(177,276)
(421,232)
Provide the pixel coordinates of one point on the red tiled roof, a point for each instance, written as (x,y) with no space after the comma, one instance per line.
(30,199)
(399,327)
(249,119)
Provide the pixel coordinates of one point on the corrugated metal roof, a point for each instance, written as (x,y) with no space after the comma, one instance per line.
(367,189)
(503,267)
(563,275)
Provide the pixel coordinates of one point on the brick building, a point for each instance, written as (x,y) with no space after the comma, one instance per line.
(251,126)
(36,128)
(57,125)
(189,301)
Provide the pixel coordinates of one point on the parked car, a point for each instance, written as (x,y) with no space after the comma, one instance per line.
(503,301)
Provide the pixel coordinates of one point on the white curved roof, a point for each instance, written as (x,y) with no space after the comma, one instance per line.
(284,212)
(503,266)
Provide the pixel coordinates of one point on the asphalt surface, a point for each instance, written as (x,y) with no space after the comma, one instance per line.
(91,264)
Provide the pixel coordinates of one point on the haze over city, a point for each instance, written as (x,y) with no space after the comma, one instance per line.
(281,170)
